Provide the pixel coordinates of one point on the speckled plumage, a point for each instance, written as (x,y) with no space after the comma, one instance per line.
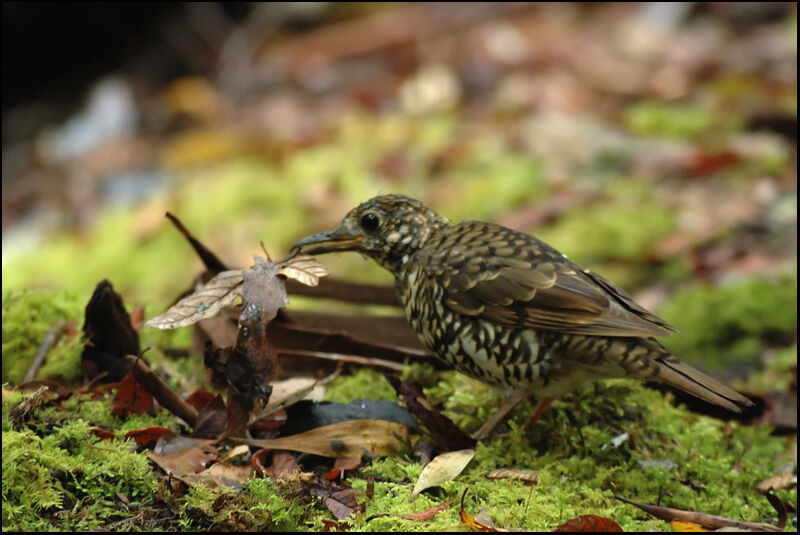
(508,309)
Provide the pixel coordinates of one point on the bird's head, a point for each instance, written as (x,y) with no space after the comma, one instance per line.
(386,228)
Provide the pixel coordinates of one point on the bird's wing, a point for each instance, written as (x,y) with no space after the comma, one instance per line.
(516,280)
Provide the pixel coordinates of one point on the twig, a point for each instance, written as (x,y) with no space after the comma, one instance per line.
(339,357)
(160,390)
(704,519)
(350,292)
(49,341)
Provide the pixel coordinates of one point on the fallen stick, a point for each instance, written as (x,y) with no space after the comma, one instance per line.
(160,390)
(704,519)
(49,341)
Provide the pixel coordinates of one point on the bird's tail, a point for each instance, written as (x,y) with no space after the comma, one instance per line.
(662,366)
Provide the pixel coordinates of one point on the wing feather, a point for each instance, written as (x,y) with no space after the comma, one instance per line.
(532,285)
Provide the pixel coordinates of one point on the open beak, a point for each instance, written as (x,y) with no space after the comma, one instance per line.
(327,242)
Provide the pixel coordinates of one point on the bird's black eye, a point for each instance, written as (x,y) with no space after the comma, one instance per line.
(369,221)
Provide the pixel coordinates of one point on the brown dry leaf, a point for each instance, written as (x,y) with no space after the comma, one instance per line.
(781,480)
(23,410)
(343,504)
(589,524)
(179,456)
(223,475)
(526,476)
(284,464)
(289,391)
(441,469)
(347,463)
(344,439)
(303,268)
(206,302)
(422,516)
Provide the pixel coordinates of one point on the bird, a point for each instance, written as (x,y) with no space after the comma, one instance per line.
(508,309)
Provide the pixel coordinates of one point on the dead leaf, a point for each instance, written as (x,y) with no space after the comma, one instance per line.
(200,398)
(131,398)
(102,434)
(180,456)
(238,451)
(781,480)
(212,419)
(344,439)
(589,523)
(147,436)
(303,268)
(343,504)
(422,516)
(204,303)
(284,464)
(347,463)
(334,525)
(526,476)
(289,392)
(222,475)
(471,522)
(441,469)
(23,410)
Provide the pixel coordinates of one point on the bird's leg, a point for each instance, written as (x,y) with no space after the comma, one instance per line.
(508,403)
(538,411)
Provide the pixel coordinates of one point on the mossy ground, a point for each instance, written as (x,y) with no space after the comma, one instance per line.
(58,476)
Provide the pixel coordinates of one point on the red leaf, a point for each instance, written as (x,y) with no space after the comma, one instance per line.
(103,434)
(708,163)
(200,398)
(333,474)
(147,436)
(131,398)
(588,523)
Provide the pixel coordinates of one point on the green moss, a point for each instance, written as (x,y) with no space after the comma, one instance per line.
(733,322)
(491,181)
(27,317)
(70,480)
(363,383)
(274,508)
(675,120)
(715,467)
(623,227)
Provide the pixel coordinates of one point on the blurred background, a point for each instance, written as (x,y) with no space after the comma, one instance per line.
(653,143)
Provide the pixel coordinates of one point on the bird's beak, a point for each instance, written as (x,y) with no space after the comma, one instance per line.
(327,242)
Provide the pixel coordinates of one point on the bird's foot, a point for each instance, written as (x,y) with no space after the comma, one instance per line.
(537,412)
(508,403)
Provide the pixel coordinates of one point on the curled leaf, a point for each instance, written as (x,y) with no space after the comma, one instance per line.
(526,476)
(205,303)
(304,269)
(343,439)
(441,469)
